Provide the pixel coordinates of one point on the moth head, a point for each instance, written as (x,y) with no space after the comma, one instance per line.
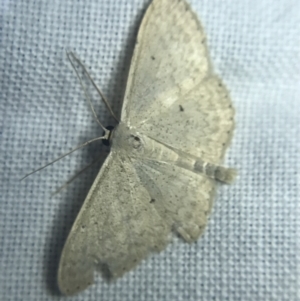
(107,141)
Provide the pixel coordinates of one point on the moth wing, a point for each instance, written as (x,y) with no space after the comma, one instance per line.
(200,123)
(116,228)
(182,198)
(170,57)
(172,94)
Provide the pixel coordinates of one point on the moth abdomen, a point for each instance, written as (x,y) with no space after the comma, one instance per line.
(217,172)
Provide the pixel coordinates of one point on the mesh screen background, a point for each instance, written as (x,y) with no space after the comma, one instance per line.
(250,249)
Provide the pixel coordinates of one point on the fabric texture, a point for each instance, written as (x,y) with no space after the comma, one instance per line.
(250,249)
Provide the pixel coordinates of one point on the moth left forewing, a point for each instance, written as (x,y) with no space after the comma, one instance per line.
(116,227)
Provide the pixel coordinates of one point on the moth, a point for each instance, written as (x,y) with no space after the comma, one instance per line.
(166,152)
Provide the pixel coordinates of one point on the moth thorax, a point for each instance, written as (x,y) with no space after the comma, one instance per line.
(127,139)
(135,141)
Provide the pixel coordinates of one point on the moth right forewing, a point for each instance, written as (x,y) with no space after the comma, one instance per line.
(170,58)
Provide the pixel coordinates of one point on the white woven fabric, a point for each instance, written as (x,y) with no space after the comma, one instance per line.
(250,250)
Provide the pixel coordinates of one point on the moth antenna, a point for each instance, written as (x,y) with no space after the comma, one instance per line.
(75,176)
(104,99)
(84,89)
(68,153)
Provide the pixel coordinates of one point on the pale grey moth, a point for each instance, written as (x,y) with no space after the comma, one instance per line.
(164,163)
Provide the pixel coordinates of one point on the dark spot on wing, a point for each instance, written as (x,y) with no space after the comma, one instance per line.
(152,201)
(181,108)
(153,58)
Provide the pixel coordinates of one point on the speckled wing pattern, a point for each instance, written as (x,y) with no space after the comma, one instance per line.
(116,227)
(181,197)
(171,47)
(172,96)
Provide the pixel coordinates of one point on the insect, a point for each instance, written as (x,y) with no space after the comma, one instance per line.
(166,152)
